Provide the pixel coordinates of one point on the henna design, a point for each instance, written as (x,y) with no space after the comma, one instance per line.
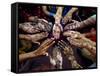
(68,51)
(79,40)
(75,25)
(34,27)
(34,37)
(40,51)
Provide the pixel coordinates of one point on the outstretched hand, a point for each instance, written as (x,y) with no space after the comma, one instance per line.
(73,25)
(44,47)
(38,52)
(77,39)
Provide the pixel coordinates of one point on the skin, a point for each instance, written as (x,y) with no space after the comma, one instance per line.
(75,25)
(35,25)
(79,40)
(69,54)
(68,17)
(27,27)
(57,28)
(45,10)
(34,37)
(56,57)
(40,51)
(33,18)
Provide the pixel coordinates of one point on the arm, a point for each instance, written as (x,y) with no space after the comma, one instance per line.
(58,15)
(79,25)
(46,11)
(34,37)
(68,17)
(90,21)
(71,11)
(69,53)
(57,28)
(79,40)
(40,51)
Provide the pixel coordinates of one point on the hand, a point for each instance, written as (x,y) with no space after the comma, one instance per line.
(43,47)
(33,38)
(57,28)
(28,27)
(68,51)
(79,40)
(36,26)
(66,19)
(44,25)
(73,25)
(40,51)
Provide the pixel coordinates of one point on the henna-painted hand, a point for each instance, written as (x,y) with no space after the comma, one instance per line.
(66,19)
(73,25)
(68,51)
(40,51)
(33,38)
(28,27)
(36,26)
(44,47)
(79,40)
(44,25)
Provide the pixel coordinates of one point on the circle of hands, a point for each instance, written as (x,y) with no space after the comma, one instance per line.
(38,29)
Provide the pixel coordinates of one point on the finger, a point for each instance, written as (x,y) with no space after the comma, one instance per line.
(23,36)
(47,42)
(64,42)
(50,44)
(60,46)
(67,27)
(45,48)
(74,42)
(68,33)
(39,36)
(72,34)
(37,43)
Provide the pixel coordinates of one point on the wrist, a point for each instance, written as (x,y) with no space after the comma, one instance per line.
(31,54)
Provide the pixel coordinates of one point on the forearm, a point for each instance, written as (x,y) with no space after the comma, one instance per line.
(34,37)
(74,9)
(25,56)
(90,46)
(27,27)
(58,15)
(90,21)
(87,54)
(47,12)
